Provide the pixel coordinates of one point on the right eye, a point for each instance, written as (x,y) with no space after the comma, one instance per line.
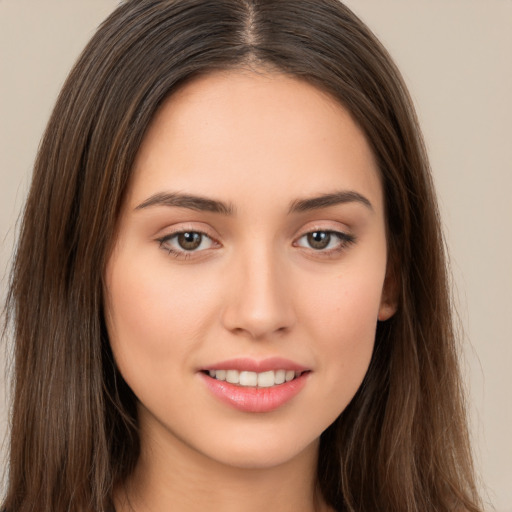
(183,243)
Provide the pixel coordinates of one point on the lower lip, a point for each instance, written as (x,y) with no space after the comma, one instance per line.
(249,399)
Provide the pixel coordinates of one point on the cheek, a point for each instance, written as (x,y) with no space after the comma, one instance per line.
(342,319)
(148,298)
(152,317)
(347,302)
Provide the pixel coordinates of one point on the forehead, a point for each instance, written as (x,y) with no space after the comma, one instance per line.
(263,132)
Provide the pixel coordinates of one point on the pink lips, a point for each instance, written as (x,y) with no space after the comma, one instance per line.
(255,399)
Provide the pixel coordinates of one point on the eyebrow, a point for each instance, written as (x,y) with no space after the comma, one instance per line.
(326,200)
(192,202)
(205,204)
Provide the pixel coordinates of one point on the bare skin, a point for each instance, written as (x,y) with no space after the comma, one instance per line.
(191,484)
(253,228)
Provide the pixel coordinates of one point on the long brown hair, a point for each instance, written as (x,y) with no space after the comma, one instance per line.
(402,443)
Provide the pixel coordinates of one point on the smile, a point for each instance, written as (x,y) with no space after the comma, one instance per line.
(255,386)
(254,379)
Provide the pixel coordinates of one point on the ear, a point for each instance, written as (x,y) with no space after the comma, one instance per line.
(389,297)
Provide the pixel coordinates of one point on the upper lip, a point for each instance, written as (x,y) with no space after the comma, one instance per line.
(258,366)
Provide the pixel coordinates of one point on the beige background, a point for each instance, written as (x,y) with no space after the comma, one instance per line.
(456,56)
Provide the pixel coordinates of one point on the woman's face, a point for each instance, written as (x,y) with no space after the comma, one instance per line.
(251,250)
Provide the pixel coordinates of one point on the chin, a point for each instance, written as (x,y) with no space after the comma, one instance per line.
(265,456)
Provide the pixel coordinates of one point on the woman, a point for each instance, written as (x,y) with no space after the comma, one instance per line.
(230,288)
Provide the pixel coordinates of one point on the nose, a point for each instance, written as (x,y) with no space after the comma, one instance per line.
(259,303)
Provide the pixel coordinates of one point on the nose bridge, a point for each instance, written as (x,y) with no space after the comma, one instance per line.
(259,301)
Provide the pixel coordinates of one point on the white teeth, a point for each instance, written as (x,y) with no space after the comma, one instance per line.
(248,379)
(233,376)
(266,379)
(253,379)
(280,376)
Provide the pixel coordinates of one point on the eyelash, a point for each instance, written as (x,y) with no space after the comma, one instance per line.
(183,253)
(344,241)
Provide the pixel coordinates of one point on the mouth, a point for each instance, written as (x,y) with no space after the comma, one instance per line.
(251,379)
(255,387)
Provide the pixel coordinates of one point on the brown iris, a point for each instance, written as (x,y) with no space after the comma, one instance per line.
(189,241)
(319,239)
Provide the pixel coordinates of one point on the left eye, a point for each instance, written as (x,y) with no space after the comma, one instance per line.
(324,240)
(186,241)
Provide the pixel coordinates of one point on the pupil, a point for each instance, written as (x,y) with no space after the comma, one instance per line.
(189,241)
(319,239)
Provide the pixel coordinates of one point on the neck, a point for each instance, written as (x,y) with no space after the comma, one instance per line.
(181,479)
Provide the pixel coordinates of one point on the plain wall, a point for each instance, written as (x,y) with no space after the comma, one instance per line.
(456,57)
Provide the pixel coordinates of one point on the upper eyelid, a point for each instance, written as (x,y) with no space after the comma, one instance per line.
(327,229)
(342,235)
(204,229)
(180,231)
(173,234)
(326,224)
(171,231)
